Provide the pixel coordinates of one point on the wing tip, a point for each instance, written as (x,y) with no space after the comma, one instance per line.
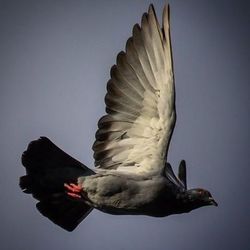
(151,8)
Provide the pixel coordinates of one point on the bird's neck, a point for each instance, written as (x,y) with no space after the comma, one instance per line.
(184,204)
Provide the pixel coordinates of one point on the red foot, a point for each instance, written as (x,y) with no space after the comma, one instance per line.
(73,190)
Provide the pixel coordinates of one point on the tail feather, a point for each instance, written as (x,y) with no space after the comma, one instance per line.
(48,168)
(64,212)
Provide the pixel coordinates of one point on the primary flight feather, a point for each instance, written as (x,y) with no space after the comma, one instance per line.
(132,140)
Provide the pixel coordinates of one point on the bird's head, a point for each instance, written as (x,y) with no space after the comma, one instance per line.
(188,200)
(199,197)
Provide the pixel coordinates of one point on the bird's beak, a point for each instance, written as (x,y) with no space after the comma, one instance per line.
(212,202)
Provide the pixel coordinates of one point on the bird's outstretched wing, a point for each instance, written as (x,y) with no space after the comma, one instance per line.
(140,102)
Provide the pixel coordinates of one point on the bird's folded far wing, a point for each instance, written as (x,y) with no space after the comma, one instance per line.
(140,102)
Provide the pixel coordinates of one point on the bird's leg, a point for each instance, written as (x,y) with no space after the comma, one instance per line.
(73,190)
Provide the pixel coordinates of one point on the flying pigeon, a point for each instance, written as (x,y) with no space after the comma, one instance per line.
(132,175)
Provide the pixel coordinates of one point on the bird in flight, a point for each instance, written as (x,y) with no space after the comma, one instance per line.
(132,175)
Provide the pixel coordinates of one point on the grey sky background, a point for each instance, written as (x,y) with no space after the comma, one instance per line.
(55,58)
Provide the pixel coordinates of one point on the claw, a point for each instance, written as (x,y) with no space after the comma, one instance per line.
(73,190)
(74,195)
(72,187)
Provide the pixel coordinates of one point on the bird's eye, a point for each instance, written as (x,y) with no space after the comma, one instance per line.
(206,193)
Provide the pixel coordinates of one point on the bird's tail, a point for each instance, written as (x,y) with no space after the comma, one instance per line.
(47,169)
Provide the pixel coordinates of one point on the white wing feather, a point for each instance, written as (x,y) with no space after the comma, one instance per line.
(135,134)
